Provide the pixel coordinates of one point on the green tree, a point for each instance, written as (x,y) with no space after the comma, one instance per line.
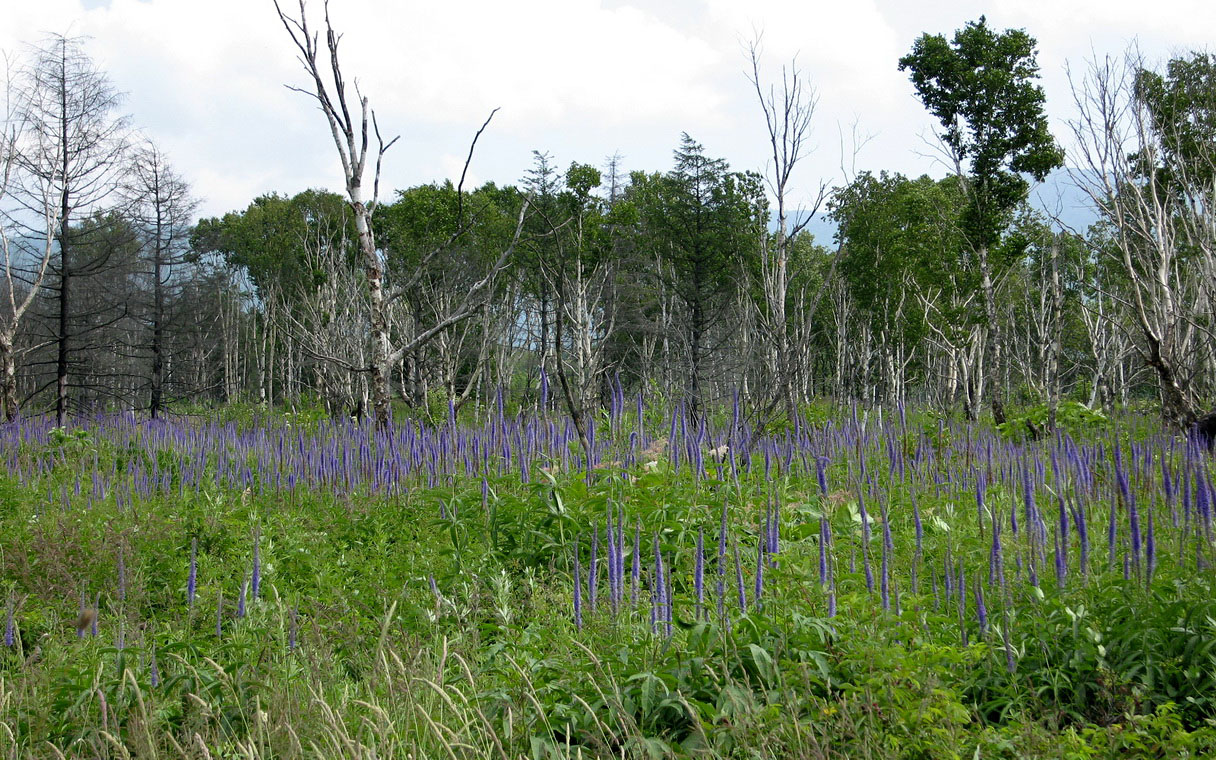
(268,239)
(1181,104)
(706,224)
(901,241)
(982,87)
(438,241)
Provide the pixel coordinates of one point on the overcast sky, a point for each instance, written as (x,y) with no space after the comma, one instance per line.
(581,79)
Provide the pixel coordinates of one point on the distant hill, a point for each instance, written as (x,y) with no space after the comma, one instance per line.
(1057,197)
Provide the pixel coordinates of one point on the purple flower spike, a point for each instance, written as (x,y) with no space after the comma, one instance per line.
(192,575)
(759,590)
(962,603)
(591,569)
(885,580)
(636,569)
(739,579)
(255,580)
(699,573)
(981,611)
(823,551)
(1083,536)
(660,584)
(1133,516)
(1150,551)
(240,602)
(9,628)
(578,590)
(122,576)
(1061,567)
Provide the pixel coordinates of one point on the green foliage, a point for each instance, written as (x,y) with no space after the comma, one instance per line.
(1182,107)
(1072,417)
(981,87)
(271,239)
(490,659)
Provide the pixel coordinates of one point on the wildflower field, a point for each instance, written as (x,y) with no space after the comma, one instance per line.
(853,584)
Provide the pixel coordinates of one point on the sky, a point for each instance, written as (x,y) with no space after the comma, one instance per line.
(207,80)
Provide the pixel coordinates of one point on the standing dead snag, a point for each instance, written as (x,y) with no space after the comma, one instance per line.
(352,132)
(21,286)
(351,138)
(788,120)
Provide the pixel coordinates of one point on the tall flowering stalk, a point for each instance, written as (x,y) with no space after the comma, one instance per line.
(9,627)
(591,567)
(699,573)
(636,569)
(962,603)
(578,589)
(722,565)
(255,579)
(192,575)
(122,576)
(1150,552)
(981,611)
(759,585)
(660,584)
(739,579)
(824,534)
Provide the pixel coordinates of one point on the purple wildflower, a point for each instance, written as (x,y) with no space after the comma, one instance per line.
(636,570)
(192,575)
(1133,516)
(823,550)
(578,590)
(591,569)
(739,579)
(255,580)
(659,580)
(699,573)
(1061,567)
(962,603)
(981,611)
(885,580)
(759,590)
(122,576)
(1150,550)
(9,628)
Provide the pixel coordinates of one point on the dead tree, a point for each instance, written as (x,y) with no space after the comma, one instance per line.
(787,118)
(352,125)
(21,284)
(1158,203)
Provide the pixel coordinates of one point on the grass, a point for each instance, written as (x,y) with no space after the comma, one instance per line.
(416,592)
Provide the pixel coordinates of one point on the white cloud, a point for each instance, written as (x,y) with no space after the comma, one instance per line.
(580,78)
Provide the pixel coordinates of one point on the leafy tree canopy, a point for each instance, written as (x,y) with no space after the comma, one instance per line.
(981,87)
